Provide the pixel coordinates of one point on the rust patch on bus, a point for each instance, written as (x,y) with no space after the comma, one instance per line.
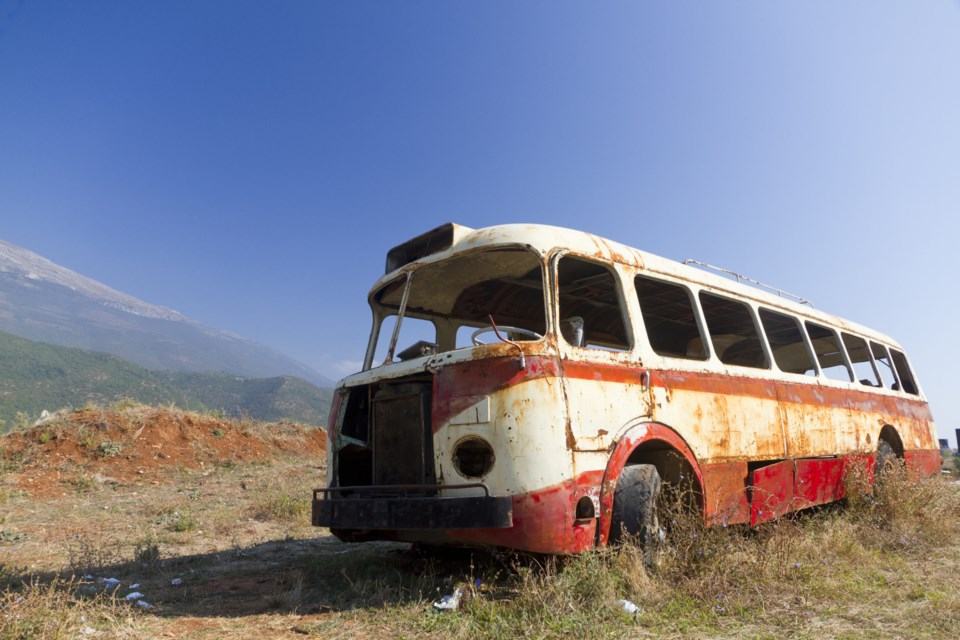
(725,491)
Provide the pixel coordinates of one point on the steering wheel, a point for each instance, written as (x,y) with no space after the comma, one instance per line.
(474,337)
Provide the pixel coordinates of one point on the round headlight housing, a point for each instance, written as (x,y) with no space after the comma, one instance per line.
(473,457)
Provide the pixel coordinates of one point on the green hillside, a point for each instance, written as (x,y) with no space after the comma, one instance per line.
(36,376)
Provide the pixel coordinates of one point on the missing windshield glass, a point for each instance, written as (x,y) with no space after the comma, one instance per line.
(450,300)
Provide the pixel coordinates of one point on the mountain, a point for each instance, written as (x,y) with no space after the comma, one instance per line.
(35,376)
(40,300)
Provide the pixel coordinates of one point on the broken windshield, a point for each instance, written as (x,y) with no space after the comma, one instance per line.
(450,301)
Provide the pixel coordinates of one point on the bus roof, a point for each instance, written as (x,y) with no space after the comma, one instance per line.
(452,239)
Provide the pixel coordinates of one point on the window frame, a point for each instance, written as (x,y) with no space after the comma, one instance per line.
(553,297)
(703,335)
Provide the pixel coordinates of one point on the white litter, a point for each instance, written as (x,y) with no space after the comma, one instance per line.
(134,586)
(628,606)
(144,604)
(88,631)
(136,595)
(177,582)
(449,603)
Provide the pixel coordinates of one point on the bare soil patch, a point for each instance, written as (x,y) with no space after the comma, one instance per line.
(142,444)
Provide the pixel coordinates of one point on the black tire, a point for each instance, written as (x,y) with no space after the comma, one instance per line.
(635,509)
(886,458)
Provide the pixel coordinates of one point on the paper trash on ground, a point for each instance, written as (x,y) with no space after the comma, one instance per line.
(449,603)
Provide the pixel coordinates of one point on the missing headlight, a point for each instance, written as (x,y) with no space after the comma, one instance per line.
(473,457)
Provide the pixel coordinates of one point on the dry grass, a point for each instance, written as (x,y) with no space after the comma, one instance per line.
(885,564)
(61,609)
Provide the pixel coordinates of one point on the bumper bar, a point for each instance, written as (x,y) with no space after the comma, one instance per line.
(369,508)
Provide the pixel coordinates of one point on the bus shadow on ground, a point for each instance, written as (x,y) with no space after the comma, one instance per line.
(281,576)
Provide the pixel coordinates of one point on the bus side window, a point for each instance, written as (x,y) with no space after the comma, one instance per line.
(863,370)
(591,311)
(670,319)
(829,353)
(790,350)
(882,359)
(907,382)
(733,331)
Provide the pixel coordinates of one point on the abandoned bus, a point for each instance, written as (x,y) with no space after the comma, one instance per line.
(532,387)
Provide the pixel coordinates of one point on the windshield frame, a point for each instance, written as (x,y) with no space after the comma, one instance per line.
(382,312)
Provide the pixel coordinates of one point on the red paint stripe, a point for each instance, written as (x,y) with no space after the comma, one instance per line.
(801,393)
(481,377)
(458,386)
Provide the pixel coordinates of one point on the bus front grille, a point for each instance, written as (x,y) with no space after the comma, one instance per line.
(401,435)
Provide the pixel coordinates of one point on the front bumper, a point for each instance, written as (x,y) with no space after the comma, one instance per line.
(368,508)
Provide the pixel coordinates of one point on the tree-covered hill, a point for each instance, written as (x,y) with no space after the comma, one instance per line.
(35,376)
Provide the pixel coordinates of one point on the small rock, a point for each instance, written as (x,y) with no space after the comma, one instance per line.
(176,582)
(136,595)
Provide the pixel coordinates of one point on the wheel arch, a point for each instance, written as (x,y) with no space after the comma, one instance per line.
(648,443)
(890,435)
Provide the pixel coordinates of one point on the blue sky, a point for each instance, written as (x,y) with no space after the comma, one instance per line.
(250,163)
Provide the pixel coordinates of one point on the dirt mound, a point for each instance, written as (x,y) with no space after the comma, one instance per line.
(139,443)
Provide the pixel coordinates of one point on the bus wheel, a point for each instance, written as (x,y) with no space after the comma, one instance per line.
(634,509)
(886,458)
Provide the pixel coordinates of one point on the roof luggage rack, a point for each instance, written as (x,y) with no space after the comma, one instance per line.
(756,283)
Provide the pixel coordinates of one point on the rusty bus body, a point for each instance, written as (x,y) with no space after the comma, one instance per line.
(604,357)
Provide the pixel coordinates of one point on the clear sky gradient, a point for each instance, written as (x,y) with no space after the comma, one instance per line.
(249,163)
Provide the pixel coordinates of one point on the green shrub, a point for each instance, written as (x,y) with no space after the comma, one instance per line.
(107,449)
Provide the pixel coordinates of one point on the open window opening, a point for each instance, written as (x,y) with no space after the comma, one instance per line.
(888,379)
(591,306)
(670,319)
(449,300)
(733,331)
(829,354)
(790,350)
(907,382)
(863,369)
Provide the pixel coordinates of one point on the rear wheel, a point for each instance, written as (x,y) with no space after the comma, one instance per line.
(635,509)
(886,459)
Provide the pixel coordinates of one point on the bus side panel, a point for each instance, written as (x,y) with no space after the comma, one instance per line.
(819,421)
(924,463)
(602,398)
(825,420)
(723,418)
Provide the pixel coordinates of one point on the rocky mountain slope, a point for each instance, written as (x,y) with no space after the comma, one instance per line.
(43,301)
